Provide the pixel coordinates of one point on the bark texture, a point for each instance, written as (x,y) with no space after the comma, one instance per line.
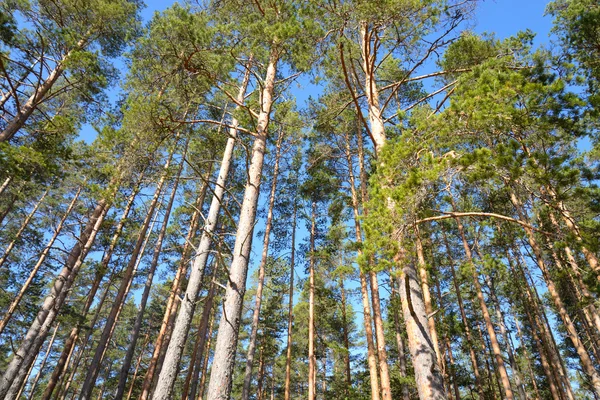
(219,386)
(170,365)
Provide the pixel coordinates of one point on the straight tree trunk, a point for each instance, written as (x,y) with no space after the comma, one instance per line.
(261,274)
(104,380)
(386,391)
(43,364)
(206,354)
(346,340)
(367,321)
(126,366)
(207,312)
(290,320)
(495,345)
(24,384)
(261,373)
(584,292)
(24,225)
(172,358)
(543,346)
(65,384)
(574,228)
(71,340)
(399,341)
(493,377)
(507,340)
(162,338)
(427,298)
(465,322)
(219,387)
(38,330)
(324,380)
(586,362)
(68,379)
(111,320)
(312,360)
(7,181)
(15,303)
(586,313)
(447,351)
(430,383)
(137,366)
(525,353)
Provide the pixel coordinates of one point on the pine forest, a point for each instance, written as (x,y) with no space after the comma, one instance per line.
(299,199)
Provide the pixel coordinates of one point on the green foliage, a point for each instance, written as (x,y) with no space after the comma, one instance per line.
(577,24)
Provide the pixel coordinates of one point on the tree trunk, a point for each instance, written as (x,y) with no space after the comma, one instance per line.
(427,297)
(367,321)
(41,367)
(170,366)
(22,389)
(447,351)
(64,388)
(346,340)
(493,377)
(219,387)
(261,374)
(543,345)
(526,354)
(124,373)
(386,392)
(128,274)
(38,330)
(501,368)
(586,362)
(91,297)
(430,383)
(583,291)
(137,366)
(507,340)
(429,380)
(9,207)
(312,360)
(162,339)
(324,380)
(206,354)
(202,336)
(24,225)
(6,182)
(261,273)
(31,104)
(395,298)
(574,228)
(586,313)
(465,321)
(288,352)
(15,303)
(39,94)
